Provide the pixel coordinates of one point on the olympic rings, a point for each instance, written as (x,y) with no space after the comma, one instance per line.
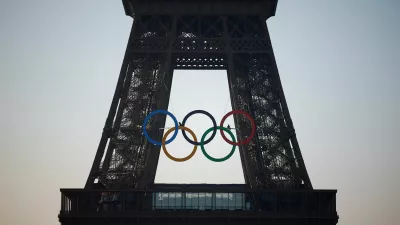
(202,141)
(216,159)
(169,155)
(253,127)
(146,120)
(205,113)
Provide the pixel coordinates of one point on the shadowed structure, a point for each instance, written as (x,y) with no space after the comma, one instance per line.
(198,34)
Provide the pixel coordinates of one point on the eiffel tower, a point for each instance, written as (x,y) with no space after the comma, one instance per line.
(229,35)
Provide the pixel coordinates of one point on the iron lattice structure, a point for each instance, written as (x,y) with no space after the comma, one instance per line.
(229,35)
(168,35)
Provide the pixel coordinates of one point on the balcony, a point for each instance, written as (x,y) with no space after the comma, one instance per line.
(310,206)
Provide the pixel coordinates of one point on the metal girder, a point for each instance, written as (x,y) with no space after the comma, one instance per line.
(200,7)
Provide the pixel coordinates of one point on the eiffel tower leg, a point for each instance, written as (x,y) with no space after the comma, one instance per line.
(107,130)
(257,89)
(163,96)
(290,131)
(144,86)
(247,168)
(118,119)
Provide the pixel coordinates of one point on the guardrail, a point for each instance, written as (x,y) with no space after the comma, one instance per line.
(304,203)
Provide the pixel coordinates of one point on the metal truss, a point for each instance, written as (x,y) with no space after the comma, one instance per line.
(160,43)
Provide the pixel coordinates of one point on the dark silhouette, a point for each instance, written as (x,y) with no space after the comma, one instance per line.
(198,34)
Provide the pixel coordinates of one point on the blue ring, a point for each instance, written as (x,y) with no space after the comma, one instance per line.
(146,120)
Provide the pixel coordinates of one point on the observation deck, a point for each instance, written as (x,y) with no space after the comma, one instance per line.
(218,204)
(201,7)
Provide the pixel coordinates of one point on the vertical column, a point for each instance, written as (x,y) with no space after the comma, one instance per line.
(62,202)
(183,200)
(117,124)
(162,96)
(254,145)
(247,169)
(94,172)
(213,200)
(141,101)
(278,108)
(286,114)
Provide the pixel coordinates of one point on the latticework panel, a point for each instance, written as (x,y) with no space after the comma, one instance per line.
(274,160)
(270,150)
(202,62)
(128,145)
(151,33)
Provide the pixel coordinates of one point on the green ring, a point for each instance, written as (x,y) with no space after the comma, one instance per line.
(215,159)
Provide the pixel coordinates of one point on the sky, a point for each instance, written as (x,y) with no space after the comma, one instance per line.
(339,62)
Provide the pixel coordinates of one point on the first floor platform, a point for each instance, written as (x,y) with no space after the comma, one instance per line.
(201,205)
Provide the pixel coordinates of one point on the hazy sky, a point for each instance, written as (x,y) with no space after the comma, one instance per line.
(339,62)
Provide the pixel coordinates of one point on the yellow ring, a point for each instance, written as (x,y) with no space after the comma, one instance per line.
(165,149)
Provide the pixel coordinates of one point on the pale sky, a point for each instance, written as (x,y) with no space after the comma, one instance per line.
(339,62)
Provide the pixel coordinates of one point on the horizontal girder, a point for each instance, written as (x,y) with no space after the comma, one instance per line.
(201,7)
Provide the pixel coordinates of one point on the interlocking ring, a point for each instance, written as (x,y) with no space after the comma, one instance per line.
(253,127)
(169,155)
(202,141)
(216,159)
(146,120)
(205,113)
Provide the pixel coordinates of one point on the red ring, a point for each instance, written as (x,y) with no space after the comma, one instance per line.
(253,127)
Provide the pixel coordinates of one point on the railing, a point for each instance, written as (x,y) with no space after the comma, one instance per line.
(305,203)
(200,44)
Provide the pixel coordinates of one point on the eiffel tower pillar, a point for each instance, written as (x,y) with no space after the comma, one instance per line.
(273,158)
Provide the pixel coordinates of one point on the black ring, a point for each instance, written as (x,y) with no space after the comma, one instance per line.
(205,113)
